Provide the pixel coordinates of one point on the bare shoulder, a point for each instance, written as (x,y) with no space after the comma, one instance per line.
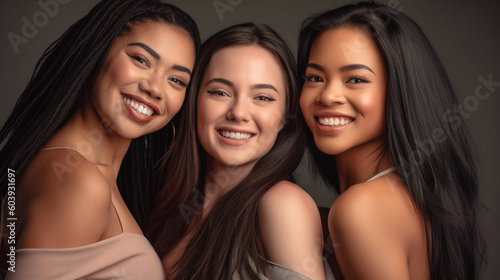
(287,195)
(383,201)
(368,219)
(290,228)
(68,201)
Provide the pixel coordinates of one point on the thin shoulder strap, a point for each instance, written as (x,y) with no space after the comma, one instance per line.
(117,215)
(69,148)
(58,148)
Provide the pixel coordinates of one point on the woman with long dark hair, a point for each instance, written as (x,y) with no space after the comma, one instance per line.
(229,209)
(94,113)
(376,99)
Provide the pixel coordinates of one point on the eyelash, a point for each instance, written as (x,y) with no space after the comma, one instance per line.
(316,79)
(144,61)
(141,59)
(222,93)
(217,92)
(178,81)
(358,80)
(265,98)
(310,77)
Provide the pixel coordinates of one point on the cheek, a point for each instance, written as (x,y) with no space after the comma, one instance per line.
(302,103)
(372,107)
(306,100)
(271,122)
(111,78)
(175,102)
(206,112)
(119,71)
(207,115)
(372,103)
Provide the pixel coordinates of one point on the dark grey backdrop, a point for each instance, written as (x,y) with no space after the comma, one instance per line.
(465,34)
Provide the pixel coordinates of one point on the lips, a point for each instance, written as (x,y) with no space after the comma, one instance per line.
(139,100)
(332,122)
(139,107)
(234,137)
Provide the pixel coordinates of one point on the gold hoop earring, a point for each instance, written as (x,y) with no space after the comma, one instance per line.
(173,131)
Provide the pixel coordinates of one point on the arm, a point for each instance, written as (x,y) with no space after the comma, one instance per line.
(290,228)
(65,213)
(367,227)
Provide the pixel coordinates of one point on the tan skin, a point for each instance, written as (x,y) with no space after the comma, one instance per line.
(243,92)
(68,197)
(376,230)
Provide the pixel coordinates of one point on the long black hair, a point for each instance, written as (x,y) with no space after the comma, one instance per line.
(56,88)
(439,171)
(228,239)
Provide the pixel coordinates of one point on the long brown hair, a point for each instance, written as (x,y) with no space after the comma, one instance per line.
(228,239)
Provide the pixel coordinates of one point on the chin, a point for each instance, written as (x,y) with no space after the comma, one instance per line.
(327,148)
(234,160)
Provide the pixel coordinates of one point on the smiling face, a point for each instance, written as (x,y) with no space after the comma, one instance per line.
(143,81)
(241,105)
(343,98)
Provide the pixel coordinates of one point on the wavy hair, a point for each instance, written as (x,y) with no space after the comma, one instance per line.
(228,239)
(440,173)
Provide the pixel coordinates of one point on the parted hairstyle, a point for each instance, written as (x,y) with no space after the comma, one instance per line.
(57,87)
(228,239)
(441,175)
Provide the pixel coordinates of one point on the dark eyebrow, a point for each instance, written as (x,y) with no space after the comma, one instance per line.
(157,56)
(230,84)
(146,48)
(355,67)
(265,86)
(343,68)
(222,81)
(316,66)
(181,68)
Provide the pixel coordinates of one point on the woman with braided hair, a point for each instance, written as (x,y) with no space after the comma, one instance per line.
(93,117)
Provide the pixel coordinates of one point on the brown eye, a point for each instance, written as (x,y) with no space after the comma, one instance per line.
(356,81)
(265,98)
(178,81)
(141,59)
(313,79)
(217,92)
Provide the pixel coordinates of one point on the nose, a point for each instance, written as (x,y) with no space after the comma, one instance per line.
(332,94)
(152,85)
(239,110)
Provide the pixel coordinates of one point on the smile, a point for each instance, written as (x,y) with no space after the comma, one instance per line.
(334,121)
(235,135)
(139,107)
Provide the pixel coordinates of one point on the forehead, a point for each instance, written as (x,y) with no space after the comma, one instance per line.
(243,57)
(250,63)
(345,45)
(164,38)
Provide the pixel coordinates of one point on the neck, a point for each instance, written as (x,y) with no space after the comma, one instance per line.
(220,179)
(359,164)
(85,133)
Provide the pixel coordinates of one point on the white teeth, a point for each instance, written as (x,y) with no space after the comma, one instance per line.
(143,109)
(235,135)
(334,121)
